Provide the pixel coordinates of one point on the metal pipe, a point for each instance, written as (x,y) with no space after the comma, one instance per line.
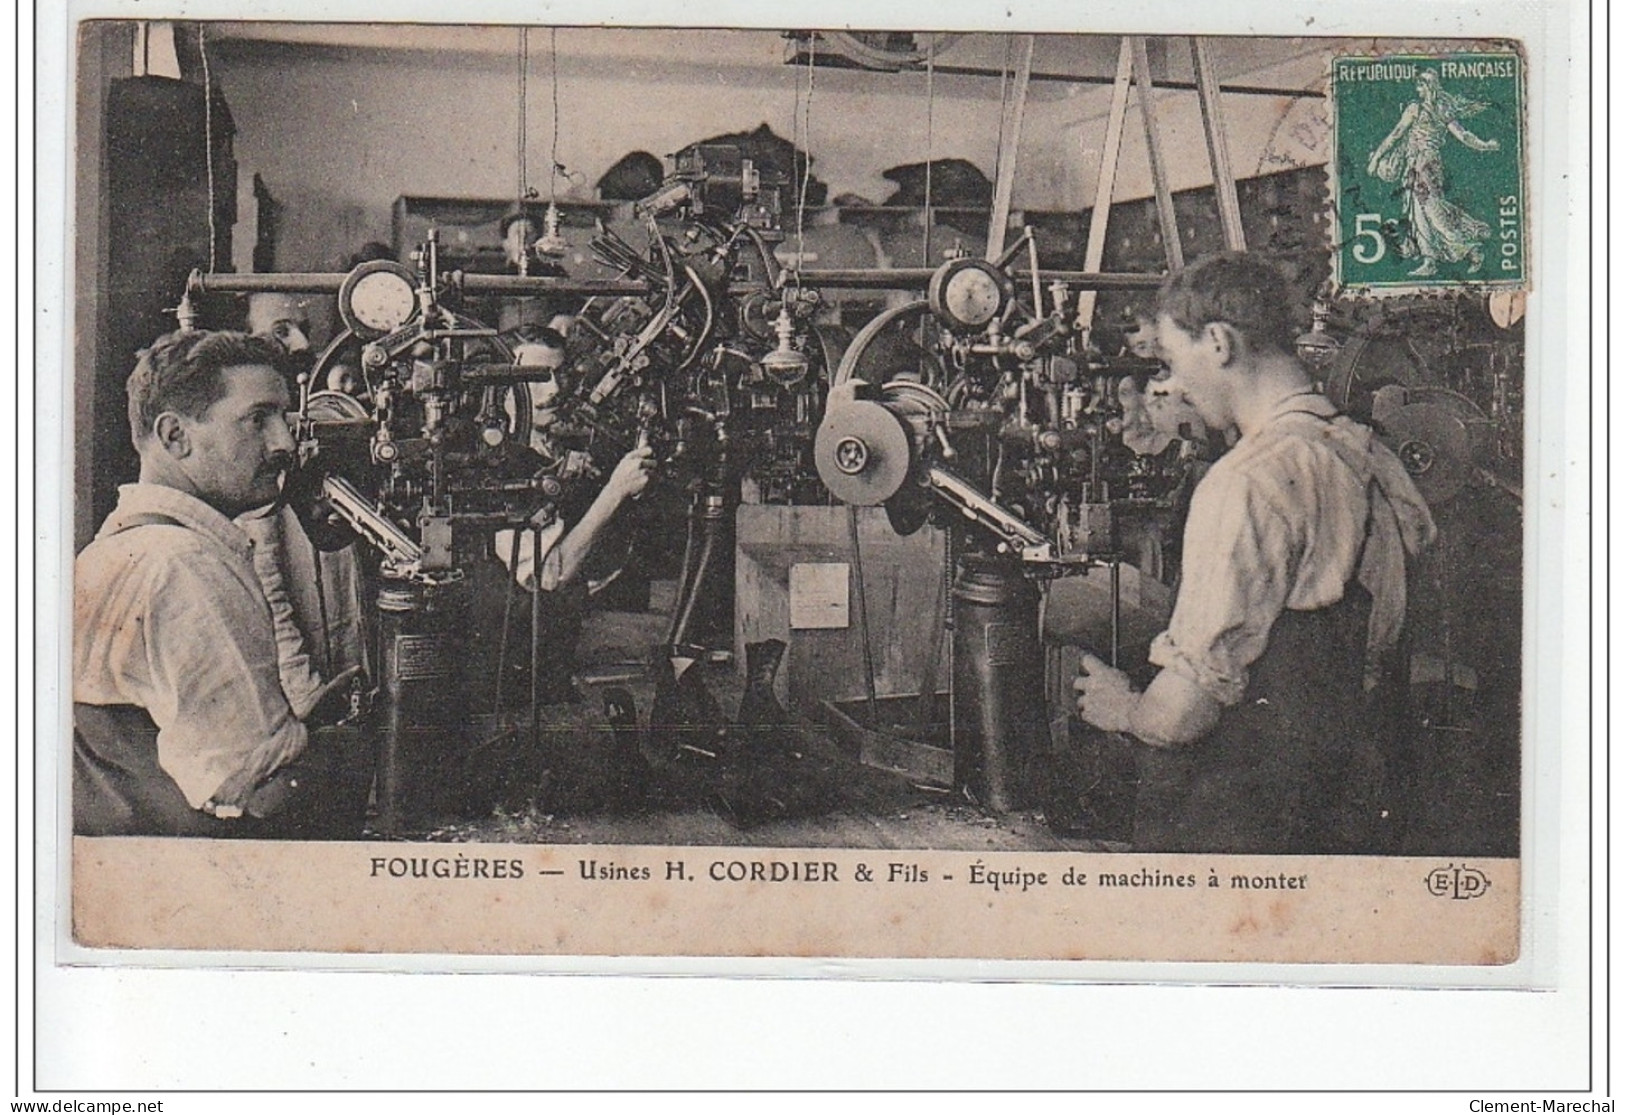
(535,636)
(933,658)
(291,282)
(507,616)
(685,574)
(863,618)
(328,282)
(689,593)
(856,278)
(524,284)
(910,278)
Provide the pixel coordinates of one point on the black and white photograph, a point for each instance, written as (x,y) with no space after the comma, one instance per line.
(1073,477)
(952,546)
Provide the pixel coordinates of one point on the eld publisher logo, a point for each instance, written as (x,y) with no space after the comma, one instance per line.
(1461,882)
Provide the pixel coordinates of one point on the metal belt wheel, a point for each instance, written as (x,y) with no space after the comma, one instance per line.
(862,452)
(1439,436)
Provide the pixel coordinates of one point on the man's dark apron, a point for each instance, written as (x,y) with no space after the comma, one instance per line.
(1296,767)
(119,788)
(1300,765)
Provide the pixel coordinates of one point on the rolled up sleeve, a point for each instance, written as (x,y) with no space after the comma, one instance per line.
(215,694)
(1238,567)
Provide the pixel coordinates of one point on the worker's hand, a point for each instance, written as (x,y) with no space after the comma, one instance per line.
(1105,698)
(230,798)
(631,475)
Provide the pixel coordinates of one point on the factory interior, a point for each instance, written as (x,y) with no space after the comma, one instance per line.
(871,306)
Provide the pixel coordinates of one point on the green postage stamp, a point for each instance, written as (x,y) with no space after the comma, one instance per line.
(1428,180)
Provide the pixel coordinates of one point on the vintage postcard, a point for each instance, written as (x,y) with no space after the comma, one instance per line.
(607,491)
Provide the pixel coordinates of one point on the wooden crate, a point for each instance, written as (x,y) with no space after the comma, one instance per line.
(903,580)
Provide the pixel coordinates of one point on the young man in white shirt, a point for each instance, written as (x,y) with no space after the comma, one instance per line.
(1251,737)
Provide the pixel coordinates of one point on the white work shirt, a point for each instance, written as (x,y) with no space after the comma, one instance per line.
(522,562)
(171,618)
(1280,521)
(315,602)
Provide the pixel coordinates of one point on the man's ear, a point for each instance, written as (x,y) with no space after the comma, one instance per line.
(169,431)
(1226,343)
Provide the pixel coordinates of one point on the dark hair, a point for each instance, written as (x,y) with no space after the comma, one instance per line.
(634,177)
(371,250)
(537,335)
(1237,289)
(180,372)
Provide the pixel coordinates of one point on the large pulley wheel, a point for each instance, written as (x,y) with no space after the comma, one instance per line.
(862,452)
(1438,435)
(1407,346)
(878,353)
(1432,445)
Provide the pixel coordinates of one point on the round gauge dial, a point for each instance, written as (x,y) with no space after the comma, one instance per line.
(377,298)
(969,293)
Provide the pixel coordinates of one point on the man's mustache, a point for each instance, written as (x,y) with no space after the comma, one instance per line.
(277,464)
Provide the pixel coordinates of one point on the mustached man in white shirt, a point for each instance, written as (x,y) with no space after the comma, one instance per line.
(182,725)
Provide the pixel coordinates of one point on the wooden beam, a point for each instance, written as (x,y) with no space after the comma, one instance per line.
(1153,147)
(1218,147)
(1009,151)
(1105,182)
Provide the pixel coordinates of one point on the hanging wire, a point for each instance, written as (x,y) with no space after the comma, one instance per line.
(208,138)
(554,168)
(1004,104)
(521,139)
(804,146)
(796,141)
(930,142)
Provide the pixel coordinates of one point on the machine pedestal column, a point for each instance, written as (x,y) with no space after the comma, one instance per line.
(998,692)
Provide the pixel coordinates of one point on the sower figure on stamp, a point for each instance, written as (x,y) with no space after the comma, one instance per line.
(182,725)
(1260,730)
(1439,229)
